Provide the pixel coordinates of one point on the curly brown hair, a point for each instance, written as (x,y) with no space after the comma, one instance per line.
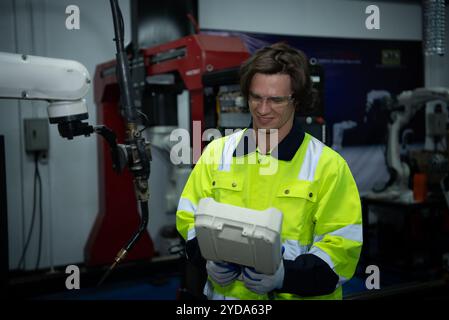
(283,59)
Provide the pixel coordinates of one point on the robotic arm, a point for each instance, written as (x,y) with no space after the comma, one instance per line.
(402,110)
(63,83)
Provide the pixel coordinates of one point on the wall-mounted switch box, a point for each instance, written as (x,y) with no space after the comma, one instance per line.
(36,134)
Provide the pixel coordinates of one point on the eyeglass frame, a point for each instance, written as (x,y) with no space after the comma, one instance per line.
(269,100)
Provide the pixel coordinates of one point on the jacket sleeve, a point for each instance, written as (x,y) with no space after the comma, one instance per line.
(333,256)
(338,233)
(198,186)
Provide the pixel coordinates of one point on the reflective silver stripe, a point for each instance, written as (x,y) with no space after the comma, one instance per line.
(228,149)
(313,153)
(352,232)
(186,205)
(191,234)
(341,281)
(293,249)
(323,255)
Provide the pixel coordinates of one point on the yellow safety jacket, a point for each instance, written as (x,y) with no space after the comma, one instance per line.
(309,182)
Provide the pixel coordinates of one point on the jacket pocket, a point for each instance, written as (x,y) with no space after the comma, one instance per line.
(227,188)
(297,200)
(299,189)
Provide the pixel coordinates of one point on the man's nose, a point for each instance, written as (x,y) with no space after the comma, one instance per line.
(264,106)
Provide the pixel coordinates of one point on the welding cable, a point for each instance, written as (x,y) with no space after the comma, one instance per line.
(130,114)
(124,251)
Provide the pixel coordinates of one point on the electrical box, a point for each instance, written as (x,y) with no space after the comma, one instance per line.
(36,134)
(239,235)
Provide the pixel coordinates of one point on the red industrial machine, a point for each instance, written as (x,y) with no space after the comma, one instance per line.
(190,59)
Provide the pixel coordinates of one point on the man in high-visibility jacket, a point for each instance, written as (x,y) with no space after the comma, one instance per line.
(295,173)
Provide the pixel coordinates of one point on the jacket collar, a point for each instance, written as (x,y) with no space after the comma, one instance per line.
(285,150)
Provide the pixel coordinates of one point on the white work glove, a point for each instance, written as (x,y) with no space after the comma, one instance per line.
(222,272)
(263,283)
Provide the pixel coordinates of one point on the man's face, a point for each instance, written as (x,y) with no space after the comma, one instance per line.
(270,101)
